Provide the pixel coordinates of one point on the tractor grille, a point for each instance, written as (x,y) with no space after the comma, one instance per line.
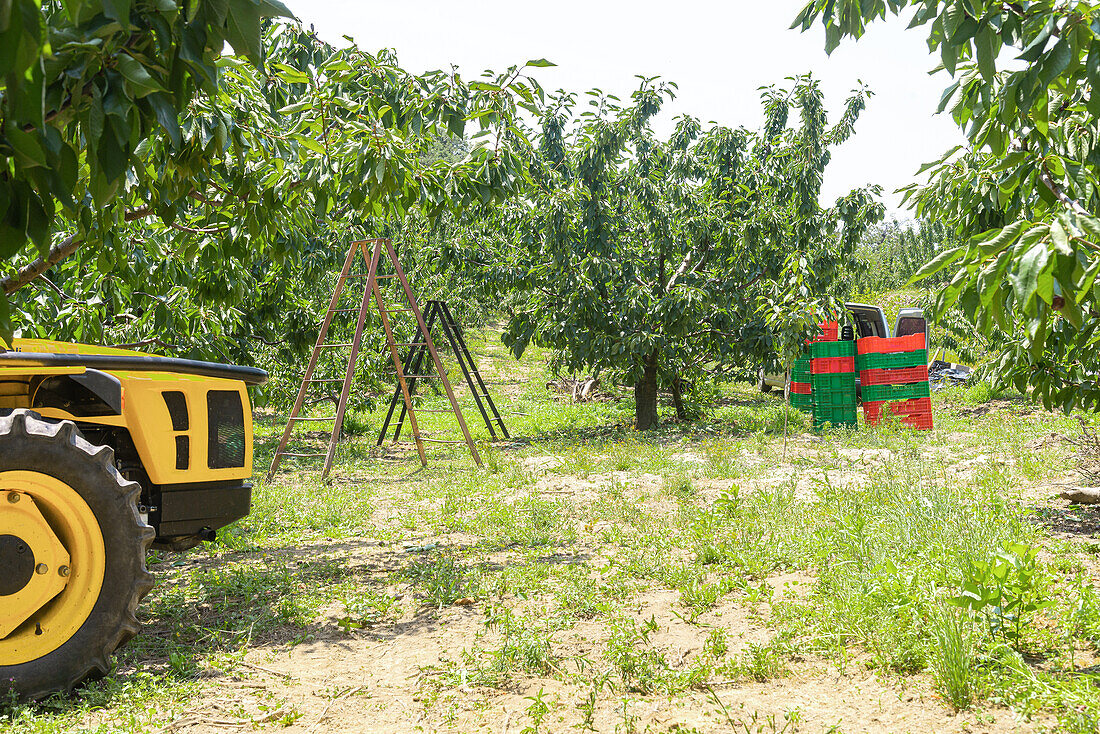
(226,420)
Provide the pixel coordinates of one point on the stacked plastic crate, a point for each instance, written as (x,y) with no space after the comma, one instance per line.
(800,389)
(893,377)
(833,376)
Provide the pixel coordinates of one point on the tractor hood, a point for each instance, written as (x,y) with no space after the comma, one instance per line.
(45,353)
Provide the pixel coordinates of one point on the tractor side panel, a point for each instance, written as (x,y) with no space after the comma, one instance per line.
(188,430)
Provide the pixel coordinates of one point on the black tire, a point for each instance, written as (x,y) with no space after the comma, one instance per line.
(57,449)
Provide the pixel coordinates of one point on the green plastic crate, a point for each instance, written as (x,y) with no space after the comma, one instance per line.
(916,358)
(832,349)
(802,362)
(800,375)
(845,416)
(875,393)
(833,381)
(835,398)
(805,403)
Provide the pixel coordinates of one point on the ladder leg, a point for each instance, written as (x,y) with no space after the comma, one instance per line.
(449,319)
(389,415)
(338,424)
(449,332)
(393,349)
(308,375)
(435,357)
(416,366)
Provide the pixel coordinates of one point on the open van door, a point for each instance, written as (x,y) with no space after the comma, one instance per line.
(912,321)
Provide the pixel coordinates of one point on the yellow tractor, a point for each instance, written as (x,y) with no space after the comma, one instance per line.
(102,453)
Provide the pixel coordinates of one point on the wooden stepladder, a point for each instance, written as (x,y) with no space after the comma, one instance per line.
(375,277)
(437,312)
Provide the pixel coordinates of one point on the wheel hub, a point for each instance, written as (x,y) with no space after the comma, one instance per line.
(16,564)
(62,535)
(25,593)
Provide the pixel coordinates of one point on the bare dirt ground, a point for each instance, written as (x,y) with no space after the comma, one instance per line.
(386,678)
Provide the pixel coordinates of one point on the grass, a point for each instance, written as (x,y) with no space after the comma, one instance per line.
(596,573)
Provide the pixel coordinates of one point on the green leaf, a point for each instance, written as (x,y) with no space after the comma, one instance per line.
(986,44)
(1035,49)
(117,10)
(540,63)
(1060,238)
(938,263)
(28,152)
(275,9)
(1004,238)
(242,30)
(1026,279)
(167,117)
(1055,62)
(1039,113)
(141,82)
(296,107)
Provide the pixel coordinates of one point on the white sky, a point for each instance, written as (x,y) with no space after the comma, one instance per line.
(718,53)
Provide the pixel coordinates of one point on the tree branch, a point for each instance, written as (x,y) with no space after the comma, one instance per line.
(56,254)
(27,273)
(1048,181)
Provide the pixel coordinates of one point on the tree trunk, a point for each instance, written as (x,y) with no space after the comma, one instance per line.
(678,398)
(645,395)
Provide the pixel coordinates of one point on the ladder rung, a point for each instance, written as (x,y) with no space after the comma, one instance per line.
(433,410)
(302,456)
(391,275)
(350,276)
(327,379)
(426,377)
(331,346)
(409,344)
(300,418)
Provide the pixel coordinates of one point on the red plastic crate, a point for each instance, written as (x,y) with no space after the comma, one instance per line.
(827,365)
(800,388)
(916,413)
(830,332)
(883,345)
(900,376)
(920,422)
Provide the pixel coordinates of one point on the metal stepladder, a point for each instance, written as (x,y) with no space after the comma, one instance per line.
(439,312)
(371,288)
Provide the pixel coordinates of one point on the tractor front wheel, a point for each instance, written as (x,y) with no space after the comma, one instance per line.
(72,556)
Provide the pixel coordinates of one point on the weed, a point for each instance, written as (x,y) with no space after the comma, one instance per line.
(588,706)
(366,607)
(699,596)
(440,581)
(681,488)
(640,667)
(1006,590)
(536,712)
(953,655)
(716,645)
